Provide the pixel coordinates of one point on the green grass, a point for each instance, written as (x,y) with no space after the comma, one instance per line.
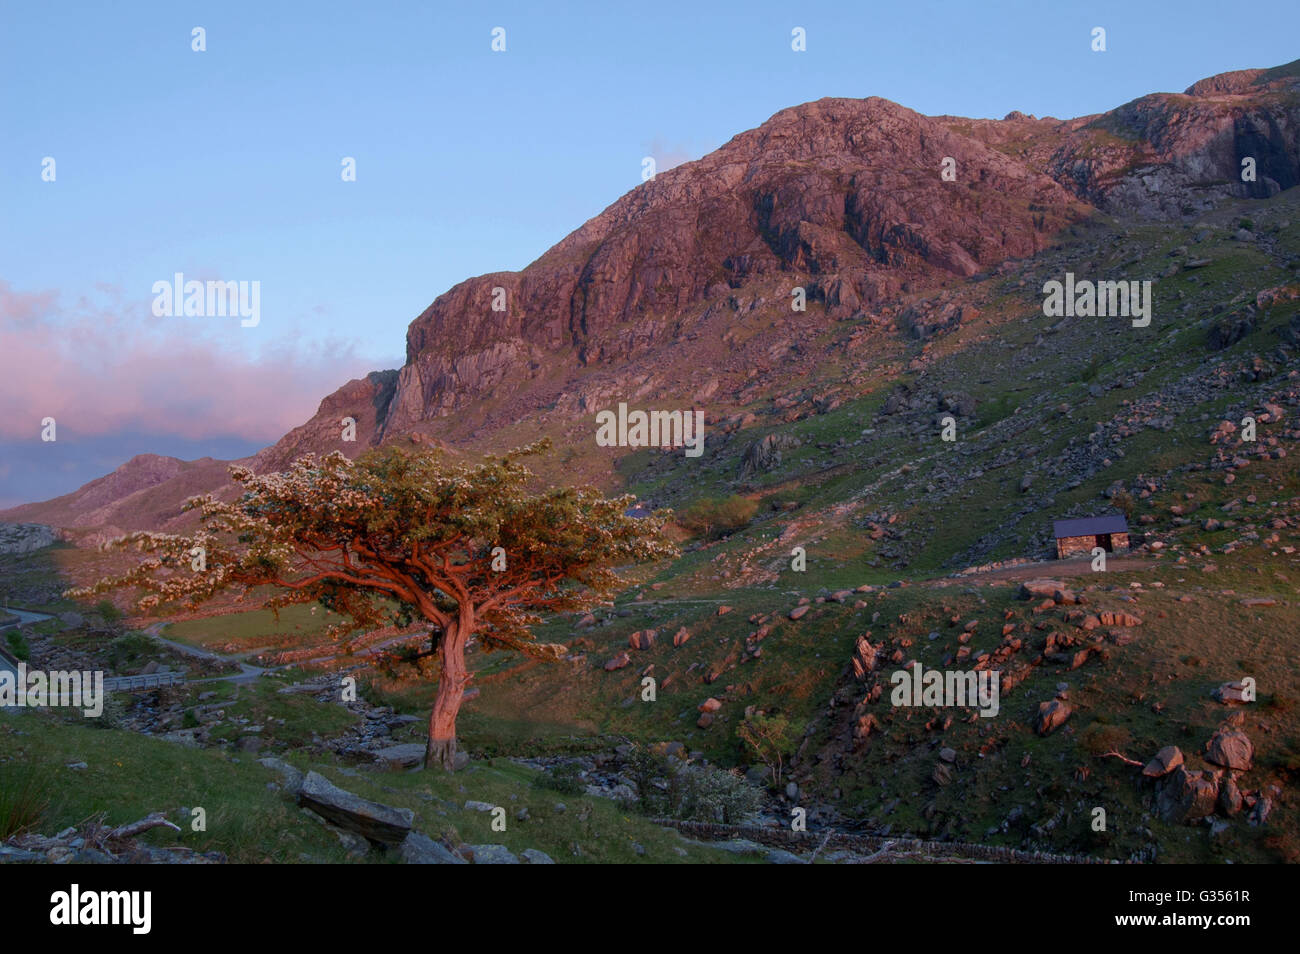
(252,629)
(252,823)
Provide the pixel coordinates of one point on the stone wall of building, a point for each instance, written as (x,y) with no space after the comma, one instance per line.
(1069,546)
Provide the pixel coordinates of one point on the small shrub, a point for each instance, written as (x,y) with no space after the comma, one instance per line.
(715,517)
(125,651)
(565,778)
(769,737)
(108,612)
(716,795)
(1098,739)
(18,643)
(990,412)
(670,788)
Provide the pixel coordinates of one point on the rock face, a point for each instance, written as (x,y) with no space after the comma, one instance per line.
(365,400)
(842,198)
(1166,155)
(378,823)
(765,454)
(25,537)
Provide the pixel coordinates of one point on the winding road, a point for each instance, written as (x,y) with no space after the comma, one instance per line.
(247,672)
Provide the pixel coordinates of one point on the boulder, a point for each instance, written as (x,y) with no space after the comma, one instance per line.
(1187,796)
(1231,693)
(1040,589)
(618,662)
(378,823)
(642,639)
(1230,799)
(765,454)
(532,856)
(1165,761)
(681,636)
(406,755)
(1115,618)
(1051,716)
(1259,814)
(864,657)
(491,855)
(798,612)
(1231,749)
(419,849)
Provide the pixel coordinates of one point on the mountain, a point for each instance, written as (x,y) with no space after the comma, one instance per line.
(680,292)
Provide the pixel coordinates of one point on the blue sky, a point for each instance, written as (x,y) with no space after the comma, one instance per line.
(226,164)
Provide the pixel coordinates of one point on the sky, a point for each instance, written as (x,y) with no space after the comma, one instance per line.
(226,164)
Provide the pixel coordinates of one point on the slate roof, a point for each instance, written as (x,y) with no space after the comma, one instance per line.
(1090,526)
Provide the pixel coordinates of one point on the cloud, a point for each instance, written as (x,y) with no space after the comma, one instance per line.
(107,365)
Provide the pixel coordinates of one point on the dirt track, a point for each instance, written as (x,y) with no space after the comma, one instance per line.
(1044,569)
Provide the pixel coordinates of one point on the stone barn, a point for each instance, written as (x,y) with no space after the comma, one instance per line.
(1110,532)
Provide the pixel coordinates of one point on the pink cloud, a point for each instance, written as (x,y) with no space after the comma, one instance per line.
(106,366)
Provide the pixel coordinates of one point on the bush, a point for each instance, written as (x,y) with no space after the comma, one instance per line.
(1000,407)
(126,651)
(669,788)
(565,778)
(18,643)
(107,611)
(769,737)
(716,517)
(1098,739)
(1089,370)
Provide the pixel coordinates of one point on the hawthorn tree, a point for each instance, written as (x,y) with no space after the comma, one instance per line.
(395,536)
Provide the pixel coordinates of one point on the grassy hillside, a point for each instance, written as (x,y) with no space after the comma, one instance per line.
(1055,417)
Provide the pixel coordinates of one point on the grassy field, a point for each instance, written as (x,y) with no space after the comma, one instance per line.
(251,821)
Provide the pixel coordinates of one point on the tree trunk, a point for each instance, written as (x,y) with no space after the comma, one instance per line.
(441,750)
